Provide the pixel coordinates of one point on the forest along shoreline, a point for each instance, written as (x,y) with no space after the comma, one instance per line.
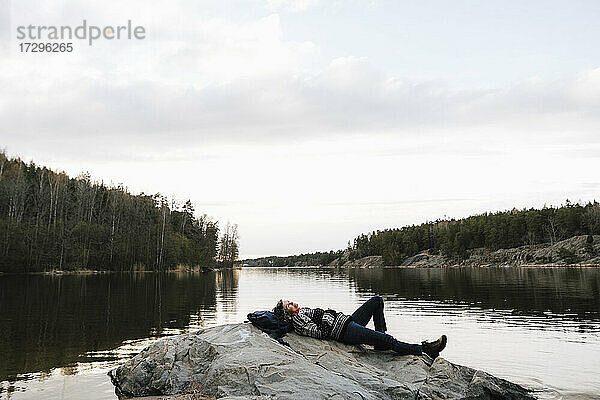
(577,251)
(51,222)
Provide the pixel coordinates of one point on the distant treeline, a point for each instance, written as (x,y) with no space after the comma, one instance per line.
(51,221)
(319,258)
(454,237)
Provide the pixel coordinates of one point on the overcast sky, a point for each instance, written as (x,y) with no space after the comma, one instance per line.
(308,122)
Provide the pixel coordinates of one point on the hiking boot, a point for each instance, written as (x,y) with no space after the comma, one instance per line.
(432,349)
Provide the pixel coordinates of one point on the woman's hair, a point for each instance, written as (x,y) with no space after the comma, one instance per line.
(280,312)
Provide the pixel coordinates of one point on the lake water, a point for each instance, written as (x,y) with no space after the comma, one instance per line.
(59,335)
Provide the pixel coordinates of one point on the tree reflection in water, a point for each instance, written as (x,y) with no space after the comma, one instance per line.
(50,321)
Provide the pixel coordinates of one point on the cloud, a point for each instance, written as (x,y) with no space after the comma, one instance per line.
(293,5)
(210,80)
(348,96)
(299,6)
(586,90)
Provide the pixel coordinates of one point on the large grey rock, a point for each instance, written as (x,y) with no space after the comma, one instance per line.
(238,361)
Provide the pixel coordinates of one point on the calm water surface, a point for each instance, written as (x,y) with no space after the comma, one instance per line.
(59,335)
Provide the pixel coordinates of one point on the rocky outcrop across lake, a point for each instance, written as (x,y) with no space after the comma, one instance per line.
(575,251)
(364,262)
(238,361)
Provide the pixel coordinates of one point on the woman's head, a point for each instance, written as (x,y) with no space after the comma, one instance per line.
(289,306)
(284,309)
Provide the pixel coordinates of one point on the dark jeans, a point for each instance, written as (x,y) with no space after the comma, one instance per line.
(357,333)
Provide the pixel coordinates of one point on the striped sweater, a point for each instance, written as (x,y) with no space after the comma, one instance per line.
(320,324)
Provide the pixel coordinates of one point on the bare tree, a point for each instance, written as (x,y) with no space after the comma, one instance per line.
(229,245)
(551,226)
(164,211)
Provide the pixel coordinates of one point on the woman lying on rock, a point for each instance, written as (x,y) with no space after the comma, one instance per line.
(351,329)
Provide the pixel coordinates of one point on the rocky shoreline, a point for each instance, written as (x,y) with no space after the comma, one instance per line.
(573,252)
(238,361)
